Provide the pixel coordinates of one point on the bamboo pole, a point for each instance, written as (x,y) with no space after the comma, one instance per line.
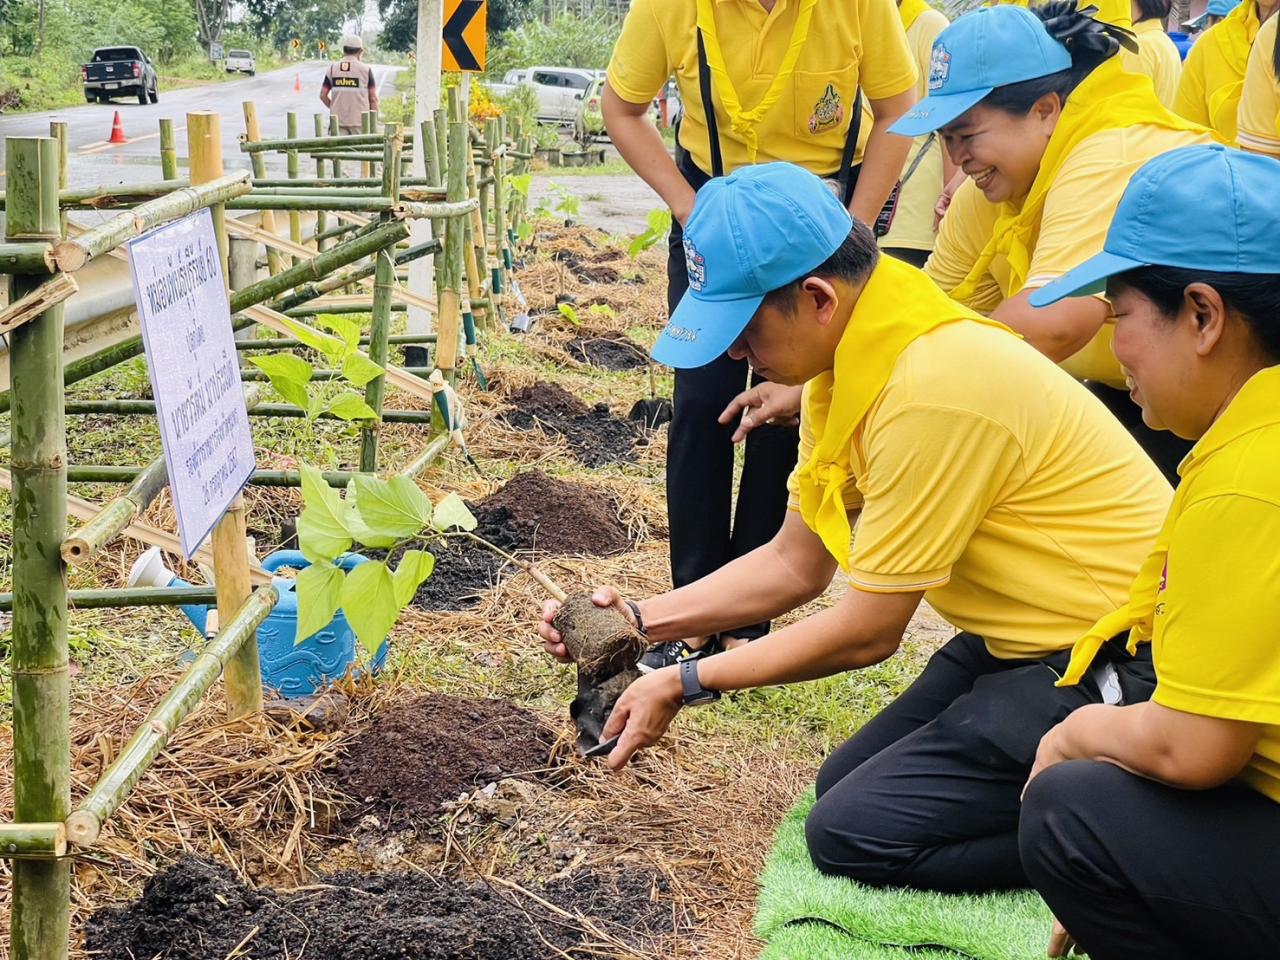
(28,308)
(222,652)
(40,914)
(58,130)
(333,132)
(230,561)
(291,171)
(428,456)
(252,133)
(451,208)
(348,275)
(27,257)
(130,408)
(311,310)
(322,218)
(43,840)
(72,254)
(111,473)
(375,390)
(168,150)
(286,343)
(433,168)
(304,144)
(455,237)
(318,201)
(494,137)
(128,597)
(320,265)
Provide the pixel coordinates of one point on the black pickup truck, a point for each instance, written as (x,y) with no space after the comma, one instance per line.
(118,72)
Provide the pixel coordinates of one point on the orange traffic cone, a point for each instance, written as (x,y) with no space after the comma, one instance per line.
(117,130)
(297,83)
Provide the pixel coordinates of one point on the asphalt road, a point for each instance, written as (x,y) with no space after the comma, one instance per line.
(94,161)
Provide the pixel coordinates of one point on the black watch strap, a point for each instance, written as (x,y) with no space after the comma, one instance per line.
(635,612)
(691,688)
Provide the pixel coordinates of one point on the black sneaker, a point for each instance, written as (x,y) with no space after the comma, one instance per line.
(672,652)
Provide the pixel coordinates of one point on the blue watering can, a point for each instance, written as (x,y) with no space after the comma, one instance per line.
(295,670)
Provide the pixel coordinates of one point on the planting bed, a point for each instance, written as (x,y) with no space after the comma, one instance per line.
(612,351)
(596,436)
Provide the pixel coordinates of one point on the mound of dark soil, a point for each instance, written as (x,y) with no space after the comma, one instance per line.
(417,755)
(535,511)
(196,910)
(612,351)
(595,435)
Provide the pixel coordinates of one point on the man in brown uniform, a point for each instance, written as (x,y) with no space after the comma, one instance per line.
(349,90)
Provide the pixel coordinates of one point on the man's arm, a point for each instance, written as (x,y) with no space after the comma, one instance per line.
(1059,331)
(1185,750)
(641,146)
(373,92)
(883,159)
(325,97)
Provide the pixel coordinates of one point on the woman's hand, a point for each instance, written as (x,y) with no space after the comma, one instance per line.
(944,199)
(1052,750)
(642,714)
(1061,943)
(553,643)
(765,403)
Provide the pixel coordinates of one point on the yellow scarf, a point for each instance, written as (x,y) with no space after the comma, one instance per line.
(1109,98)
(897,304)
(1234,36)
(909,10)
(744,122)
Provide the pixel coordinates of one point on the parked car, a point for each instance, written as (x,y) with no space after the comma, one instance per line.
(589,123)
(120,71)
(241,61)
(560,90)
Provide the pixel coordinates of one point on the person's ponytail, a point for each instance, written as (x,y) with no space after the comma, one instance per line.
(1090,43)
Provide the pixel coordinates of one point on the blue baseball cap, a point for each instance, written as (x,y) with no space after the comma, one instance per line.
(1220,8)
(988,48)
(1235,203)
(750,233)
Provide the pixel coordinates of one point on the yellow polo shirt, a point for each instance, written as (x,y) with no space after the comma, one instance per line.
(1214,640)
(1157,58)
(1213,73)
(809,122)
(1073,227)
(991,480)
(1259,116)
(913,223)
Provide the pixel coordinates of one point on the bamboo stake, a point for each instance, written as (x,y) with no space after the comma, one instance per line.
(451,208)
(286,343)
(128,597)
(222,652)
(24,257)
(129,408)
(341,278)
(428,456)
(333,141)
(493,137)
(291,171)
(432,161)
(28,308)
(366,306)
(455,237)
(230,561)
(322,219)
(380,318)
(252,132)
(168,150)
(373,185)
(40,914)
(45,840)
(58,130)
(72,254)
(333,132)
(110,473)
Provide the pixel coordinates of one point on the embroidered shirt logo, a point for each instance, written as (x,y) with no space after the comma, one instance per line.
(939,67)
(828,112)
(696,264)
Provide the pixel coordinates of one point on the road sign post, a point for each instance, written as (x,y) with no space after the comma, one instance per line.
(426,100)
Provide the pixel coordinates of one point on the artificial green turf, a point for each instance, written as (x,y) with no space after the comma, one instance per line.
(868,923)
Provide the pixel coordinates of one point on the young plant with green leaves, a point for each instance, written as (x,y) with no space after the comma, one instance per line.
(659,225)
(291,376)
(378,514)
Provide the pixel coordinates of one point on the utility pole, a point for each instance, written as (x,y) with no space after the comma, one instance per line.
(426,100)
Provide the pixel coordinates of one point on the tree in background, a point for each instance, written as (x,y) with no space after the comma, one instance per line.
(569,40)
(212,17)
(400,20)
(279,21)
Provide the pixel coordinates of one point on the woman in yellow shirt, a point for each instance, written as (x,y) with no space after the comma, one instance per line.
(1036,108)
(1151,830)
(1213,73)
(1260,105)
(1156,56)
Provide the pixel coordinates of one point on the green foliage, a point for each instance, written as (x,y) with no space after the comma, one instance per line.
(400,20)
(570,40)
(279,21)
(520,104)
(520,183)
(569,314)
(379,514)
(659,226)
(291,376)
(602,310)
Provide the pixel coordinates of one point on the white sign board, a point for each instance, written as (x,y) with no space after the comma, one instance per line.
(195,373)
(215,51)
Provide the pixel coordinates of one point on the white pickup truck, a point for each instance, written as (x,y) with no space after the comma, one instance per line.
(559,89)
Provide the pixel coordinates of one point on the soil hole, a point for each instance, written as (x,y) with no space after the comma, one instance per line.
(612,351)
(594,434)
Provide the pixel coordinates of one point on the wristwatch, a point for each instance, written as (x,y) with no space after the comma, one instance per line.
(694,693)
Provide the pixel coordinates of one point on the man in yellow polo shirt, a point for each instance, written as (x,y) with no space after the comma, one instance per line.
(759,80)
(977,474)
(1260,106)
(1156,56)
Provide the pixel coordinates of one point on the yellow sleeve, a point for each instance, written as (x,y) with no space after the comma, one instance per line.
(1192,101)
(1215,648)
(641,60)
(1259,116)
(962,236)
(932,474)
(887,68)
(1079,206)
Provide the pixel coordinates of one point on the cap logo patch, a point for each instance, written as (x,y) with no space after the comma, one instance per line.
(682,333)
(696,264)
(939,67)
(828,111)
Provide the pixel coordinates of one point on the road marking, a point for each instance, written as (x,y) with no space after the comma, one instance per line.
(100,145)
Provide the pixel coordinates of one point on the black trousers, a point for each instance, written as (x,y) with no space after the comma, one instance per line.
(1135,869)
(1165,448)
(926,795)
(909,255)
(706,529)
